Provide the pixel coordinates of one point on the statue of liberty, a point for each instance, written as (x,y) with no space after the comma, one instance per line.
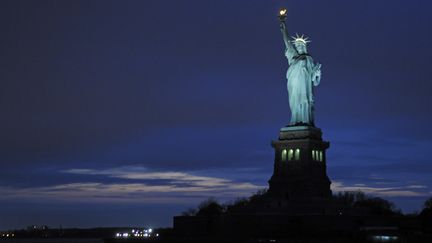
(302,75)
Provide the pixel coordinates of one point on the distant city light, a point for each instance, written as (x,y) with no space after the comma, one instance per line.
(8,235)
(385,238)
(137,233)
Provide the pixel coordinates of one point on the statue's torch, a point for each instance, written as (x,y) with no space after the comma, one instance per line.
(282,14)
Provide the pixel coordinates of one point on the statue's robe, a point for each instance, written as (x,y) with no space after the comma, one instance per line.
(300,77)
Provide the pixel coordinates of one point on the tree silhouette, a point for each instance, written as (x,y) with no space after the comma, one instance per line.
(210,207)
(375,205)
(426,215)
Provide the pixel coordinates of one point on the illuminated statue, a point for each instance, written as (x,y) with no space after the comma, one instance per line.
(302,75)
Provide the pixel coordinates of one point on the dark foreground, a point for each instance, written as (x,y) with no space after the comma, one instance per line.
(39,240)
(419,239)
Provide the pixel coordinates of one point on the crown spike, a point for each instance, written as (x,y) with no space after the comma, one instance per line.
(302,39)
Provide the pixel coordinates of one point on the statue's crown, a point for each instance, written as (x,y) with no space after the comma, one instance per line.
(300,39)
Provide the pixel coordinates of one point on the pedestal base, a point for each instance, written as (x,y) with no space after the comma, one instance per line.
(299,165)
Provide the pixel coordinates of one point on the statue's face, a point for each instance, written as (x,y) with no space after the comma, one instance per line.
(301,48)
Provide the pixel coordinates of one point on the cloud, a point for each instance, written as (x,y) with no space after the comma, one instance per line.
(402,191)
(417,186)
(143,174)
(137,184)
(141,186)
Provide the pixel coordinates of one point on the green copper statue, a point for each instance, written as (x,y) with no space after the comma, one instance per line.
(302,75)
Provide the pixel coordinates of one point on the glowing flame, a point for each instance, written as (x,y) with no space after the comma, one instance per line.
(282,12)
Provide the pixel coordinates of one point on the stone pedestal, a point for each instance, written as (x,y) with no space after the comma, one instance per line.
(300,170)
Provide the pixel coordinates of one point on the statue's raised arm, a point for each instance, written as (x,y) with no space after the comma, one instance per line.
(290,50)
(285,35)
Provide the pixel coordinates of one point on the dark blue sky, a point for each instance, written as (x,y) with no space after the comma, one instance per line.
(130,112)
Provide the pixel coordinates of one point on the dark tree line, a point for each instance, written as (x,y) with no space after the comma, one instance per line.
(375,205)
(426,215)
(212,207)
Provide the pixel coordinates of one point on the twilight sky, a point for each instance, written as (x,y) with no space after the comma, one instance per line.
(117,113)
